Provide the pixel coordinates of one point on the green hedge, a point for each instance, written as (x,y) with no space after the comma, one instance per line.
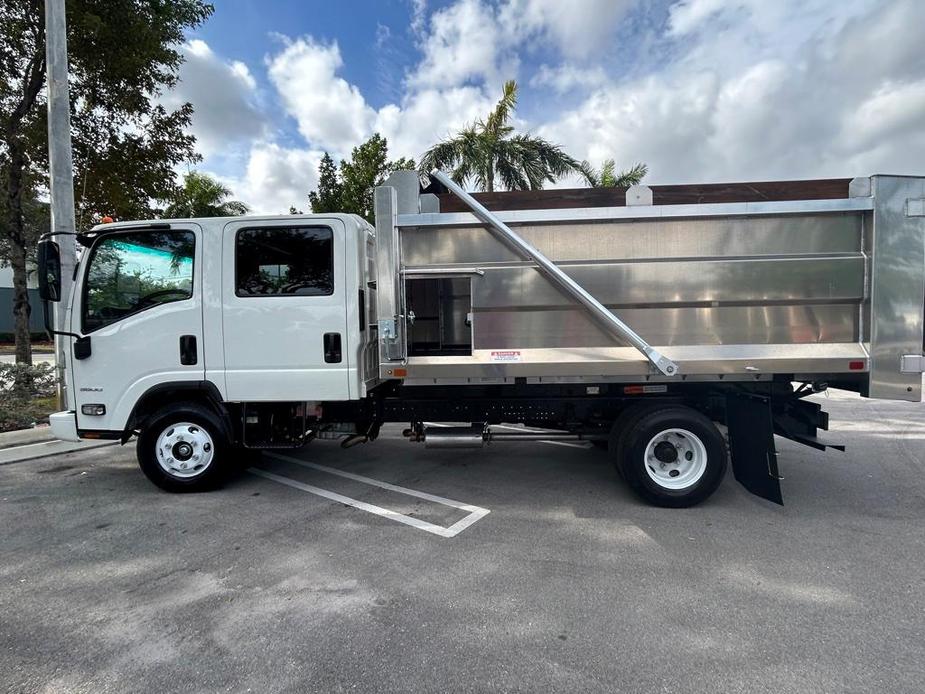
(27,395)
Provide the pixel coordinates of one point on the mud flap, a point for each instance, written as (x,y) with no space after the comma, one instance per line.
(751,445)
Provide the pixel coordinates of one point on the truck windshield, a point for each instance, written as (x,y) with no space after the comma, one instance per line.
(134,271)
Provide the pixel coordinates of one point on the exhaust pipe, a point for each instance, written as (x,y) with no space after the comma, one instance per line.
(455,437)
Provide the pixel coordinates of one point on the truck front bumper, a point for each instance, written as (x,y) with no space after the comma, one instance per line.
(64,425)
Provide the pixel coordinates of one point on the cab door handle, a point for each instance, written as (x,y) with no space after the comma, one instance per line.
(188,352)
(332,348)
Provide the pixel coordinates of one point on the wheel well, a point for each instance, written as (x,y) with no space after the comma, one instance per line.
(201,392)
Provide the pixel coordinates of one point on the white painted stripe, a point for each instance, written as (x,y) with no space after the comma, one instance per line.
(466,521)
(377,483)
(474,512)
(524,428)
(544,431)
(362,505)
(566,443)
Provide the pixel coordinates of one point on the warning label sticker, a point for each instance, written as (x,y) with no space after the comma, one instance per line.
(507,355)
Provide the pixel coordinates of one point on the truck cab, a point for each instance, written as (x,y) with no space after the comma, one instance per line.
(241,310)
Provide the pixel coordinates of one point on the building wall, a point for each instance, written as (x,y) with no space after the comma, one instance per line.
(36,320)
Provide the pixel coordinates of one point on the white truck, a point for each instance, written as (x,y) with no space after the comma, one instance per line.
(639,325)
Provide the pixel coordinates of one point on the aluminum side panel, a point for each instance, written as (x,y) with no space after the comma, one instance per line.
(638,240)
(777,324)
(680,281)
(897,287)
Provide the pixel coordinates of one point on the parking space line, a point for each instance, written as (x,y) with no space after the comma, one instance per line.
(378,483)
(474,512)
(545,431)
(566,443)
(530,429)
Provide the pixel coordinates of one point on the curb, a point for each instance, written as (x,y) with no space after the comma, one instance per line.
(21,437)
(46,449)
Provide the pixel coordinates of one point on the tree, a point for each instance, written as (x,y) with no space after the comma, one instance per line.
(327,198)
(350,188)
(36,221)
(488,152)
(606,176)
(203,196)
(123,54)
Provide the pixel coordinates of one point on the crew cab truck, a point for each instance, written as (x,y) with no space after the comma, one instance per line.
(640,326)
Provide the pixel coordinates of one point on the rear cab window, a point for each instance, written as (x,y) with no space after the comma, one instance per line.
(284,261)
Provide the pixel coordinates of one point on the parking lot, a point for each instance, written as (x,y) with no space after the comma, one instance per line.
(525,567)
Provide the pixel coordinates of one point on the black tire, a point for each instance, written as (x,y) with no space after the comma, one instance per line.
(206,425)
(623,423)
(642,474)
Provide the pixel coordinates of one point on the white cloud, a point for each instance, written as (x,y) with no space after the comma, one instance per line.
(463,44)
(894,110)
(428,116)
(475,41)
(578,28)
(567,77)
(651,121)
(689,15)
(712,90)
(224,99)
(275,178)
(840,94)
(330,112)
(418,15)
(333,115)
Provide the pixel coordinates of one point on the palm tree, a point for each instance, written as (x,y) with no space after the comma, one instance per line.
(488,152)
(607,177)
(203,196)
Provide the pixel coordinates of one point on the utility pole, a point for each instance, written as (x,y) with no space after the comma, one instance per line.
(61,170)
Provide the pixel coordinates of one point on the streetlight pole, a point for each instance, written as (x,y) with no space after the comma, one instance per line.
(61,172)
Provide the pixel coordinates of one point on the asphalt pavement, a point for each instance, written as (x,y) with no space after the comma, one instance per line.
(347,575)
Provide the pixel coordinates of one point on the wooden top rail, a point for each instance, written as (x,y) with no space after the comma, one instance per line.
(819,189)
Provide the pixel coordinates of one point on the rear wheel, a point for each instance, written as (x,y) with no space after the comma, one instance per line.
(184,448)
(624,422)
(674,456)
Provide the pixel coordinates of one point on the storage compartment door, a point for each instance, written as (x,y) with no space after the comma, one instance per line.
(442,310)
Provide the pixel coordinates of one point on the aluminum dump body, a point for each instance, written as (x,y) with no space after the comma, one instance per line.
(799,289)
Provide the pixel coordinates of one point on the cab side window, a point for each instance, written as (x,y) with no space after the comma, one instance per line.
(134,271)
(284,261)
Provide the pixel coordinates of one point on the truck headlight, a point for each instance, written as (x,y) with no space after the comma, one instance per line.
(93,410)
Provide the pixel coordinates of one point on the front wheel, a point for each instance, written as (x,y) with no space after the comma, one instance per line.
(673,457)
(184,448)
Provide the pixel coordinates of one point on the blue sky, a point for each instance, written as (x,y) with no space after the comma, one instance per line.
(354,25)
(700,90)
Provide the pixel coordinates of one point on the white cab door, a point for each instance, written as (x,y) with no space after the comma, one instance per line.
(140,314)
(284,310)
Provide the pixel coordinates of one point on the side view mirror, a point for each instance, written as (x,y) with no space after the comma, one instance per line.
(49,256)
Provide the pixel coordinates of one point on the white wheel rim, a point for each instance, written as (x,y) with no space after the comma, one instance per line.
(675,459)
(184,450)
